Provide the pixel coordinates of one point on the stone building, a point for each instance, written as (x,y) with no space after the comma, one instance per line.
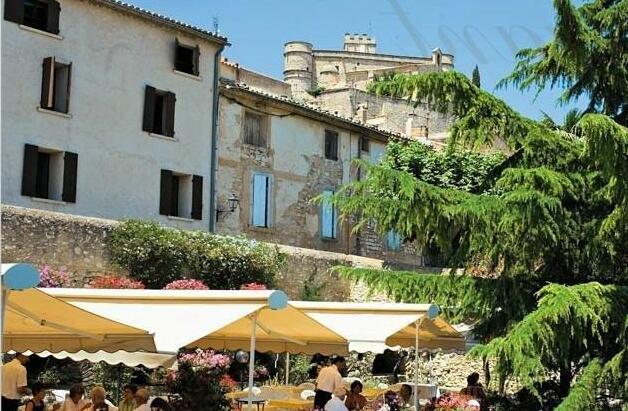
(276,154)
(90,89)
(306,68)
(337,80)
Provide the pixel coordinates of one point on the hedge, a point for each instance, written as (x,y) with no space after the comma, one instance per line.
(157,256)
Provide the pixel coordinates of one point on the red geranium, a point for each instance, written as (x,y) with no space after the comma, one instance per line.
(115,282)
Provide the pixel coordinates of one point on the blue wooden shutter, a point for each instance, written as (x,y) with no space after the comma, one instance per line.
(393,240)
(260,200)
(328,216)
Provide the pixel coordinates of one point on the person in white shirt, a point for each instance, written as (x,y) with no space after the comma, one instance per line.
(337,402)
(329,381)
(141,399)
(13,382)
(75,401)
(99,400)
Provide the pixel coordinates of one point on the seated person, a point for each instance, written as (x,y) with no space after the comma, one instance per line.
(355,400)
(37,402)
(159,404)
(406,394)
(75,401)
(474,389)
(141,399)
(128,402)
(99,402)
(337,402)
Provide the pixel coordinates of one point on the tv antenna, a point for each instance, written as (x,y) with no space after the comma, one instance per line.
(215,23)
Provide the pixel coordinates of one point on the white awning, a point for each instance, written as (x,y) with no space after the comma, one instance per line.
(376,327)
(209,319)
(131,359)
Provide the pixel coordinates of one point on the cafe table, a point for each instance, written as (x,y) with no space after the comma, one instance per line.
(256,401)
(293,404)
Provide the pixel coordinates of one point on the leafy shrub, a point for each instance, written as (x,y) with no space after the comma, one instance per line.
(115,282)
(157,256)
(186,285)
(51,278)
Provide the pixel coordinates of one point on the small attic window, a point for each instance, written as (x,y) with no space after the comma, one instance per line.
(186,58)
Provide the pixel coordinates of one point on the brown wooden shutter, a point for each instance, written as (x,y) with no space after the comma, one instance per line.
(197,54)
(53,16)
(47,83)
(70,165)
(197,197)
(29,170)
(149,109)
(176,53)
(165,198)
(67,96)
(14,11)
(169,101)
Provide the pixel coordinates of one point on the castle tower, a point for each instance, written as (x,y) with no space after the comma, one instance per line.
(298,67)
(360,43)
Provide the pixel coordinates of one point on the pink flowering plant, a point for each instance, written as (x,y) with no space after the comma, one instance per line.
(453,402)
(391,402)
(253,286)
(201,381)
(186,284)
(51,278)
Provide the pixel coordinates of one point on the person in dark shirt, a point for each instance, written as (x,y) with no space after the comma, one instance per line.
(474,389)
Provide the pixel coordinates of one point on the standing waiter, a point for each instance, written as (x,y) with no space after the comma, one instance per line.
(13,382)
(329,381)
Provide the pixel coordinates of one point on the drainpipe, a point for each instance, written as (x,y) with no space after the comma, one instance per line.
(214,142)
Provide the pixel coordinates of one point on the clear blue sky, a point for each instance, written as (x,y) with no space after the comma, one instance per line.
(482,32)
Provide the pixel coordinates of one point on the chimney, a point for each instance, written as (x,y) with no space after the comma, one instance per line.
(361,113)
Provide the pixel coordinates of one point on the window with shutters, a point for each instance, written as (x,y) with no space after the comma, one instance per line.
(55,85)
(181,195)
(255,129)
(159,112)
(393,240)
(331,145)
(186,58)
(329,221)
(49,174)
(261,194)
(38,14)
(365,144)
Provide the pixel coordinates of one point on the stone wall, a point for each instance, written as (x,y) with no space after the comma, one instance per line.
(78,245)
(389,113)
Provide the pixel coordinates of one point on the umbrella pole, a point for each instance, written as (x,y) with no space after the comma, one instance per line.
(287,368)
(416,366)
(252,360)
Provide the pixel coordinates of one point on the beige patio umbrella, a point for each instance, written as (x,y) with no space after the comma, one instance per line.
(37,321)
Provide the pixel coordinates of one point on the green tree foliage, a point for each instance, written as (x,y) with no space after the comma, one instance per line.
(549,221)
(157,256)
(465,170)
(588,57)
(475,77)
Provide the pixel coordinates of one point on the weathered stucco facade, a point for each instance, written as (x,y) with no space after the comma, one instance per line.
(118,169)
(293,156)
